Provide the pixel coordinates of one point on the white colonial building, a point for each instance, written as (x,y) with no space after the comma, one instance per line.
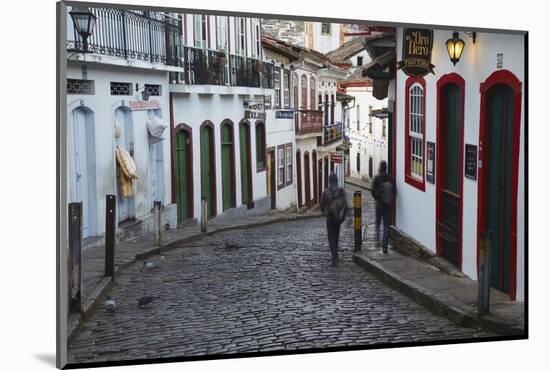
(117,94)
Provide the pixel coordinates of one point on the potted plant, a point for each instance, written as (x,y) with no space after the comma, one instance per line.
(222,58)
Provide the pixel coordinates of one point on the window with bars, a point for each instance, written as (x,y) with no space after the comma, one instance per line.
(416,130)
(80,87)
(121,88)
(281,166)
(277,79)
(153,90)
(289,164)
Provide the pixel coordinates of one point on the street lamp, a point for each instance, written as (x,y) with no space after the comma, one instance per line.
(455,46)
(84,22)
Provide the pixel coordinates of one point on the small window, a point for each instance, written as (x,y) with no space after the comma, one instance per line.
(359,61)
(325,28)
(121,88)
(153,90)
(414,132)
(80,87)
(281,166)
(289,164)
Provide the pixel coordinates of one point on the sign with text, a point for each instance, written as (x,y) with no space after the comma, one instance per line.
(336,158)
(144,104)
(284,114)
(417,52)
(430,163)
(470,162)
(254,109)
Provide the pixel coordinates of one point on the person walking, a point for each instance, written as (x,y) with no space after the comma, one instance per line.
(334,206)
(383,191)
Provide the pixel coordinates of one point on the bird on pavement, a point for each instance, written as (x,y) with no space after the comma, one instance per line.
(110,304)
(149,265)
(146,300)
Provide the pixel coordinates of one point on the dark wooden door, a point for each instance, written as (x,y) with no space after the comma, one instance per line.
(228,167)
(499,182)
(314,174)
(246,186)
(183,180)
(208,179)
(320,176)
(307,180)
(271,182)
(449,198)
(370,167)
(299,176)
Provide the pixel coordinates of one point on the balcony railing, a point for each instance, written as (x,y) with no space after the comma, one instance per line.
(148,36)
(308,121)
(213,67)
(332,133)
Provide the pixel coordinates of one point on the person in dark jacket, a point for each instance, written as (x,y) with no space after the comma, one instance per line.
(383,207)
(333,227)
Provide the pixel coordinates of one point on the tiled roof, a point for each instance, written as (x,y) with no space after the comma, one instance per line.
(346,51)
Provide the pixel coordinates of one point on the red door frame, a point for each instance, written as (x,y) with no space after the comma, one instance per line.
(505,77)
(451,78)
(307,179)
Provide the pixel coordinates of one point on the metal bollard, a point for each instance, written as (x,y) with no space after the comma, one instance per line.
(156,204)
(110,235)
(484,274)
(357,220)
(76,290)
(203,215)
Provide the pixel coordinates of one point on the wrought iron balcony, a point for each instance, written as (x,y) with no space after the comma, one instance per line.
(214,67)
(308,122)
(332,133)
(131,34)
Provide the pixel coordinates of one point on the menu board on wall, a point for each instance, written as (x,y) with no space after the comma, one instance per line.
(430,164)
(470,162)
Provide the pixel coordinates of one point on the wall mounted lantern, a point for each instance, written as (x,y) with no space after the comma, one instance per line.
(455,46)
(84,23)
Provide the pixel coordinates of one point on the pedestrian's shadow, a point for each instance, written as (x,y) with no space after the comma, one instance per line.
(47,358)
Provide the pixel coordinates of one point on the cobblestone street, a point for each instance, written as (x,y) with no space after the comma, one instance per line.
(260,289)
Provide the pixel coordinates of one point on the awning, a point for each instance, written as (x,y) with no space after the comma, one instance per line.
(156,128)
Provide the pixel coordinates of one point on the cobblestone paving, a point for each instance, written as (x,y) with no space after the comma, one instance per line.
(261,289)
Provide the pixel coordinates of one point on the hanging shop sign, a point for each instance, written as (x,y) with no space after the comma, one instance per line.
(254,109)
(417,52)
(430,163)
(144,104)
(284,114)
(336,158)
(470,162)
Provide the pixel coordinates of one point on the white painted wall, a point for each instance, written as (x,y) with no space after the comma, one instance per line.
(103,106)
(324,43)
(416,209)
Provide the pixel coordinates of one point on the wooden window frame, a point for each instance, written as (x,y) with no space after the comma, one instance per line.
(288,163)
(418,183)
(303,91)
(281,184)
(277,87)
(286,88)
(312,92)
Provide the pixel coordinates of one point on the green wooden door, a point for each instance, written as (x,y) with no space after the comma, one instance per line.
(245,163)
(450,133)
(183,183)
(227,167)
(206,168)
(499,182)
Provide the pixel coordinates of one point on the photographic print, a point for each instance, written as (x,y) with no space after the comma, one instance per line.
(244,184)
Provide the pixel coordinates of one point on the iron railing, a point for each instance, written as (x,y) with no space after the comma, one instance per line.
(332,133)
(447,227)
(215,67)
(149,36)
(308,121)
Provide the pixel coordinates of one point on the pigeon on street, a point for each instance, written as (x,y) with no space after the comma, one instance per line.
(146,300)
(149,265)
(110,304)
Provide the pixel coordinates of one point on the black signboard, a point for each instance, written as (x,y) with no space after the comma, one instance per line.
(430,164)
(470,160)
(284,114)
(417,52)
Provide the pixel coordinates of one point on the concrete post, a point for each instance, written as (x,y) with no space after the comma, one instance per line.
(75,258)
(157,222)
(203,215)
(484,275)
(357,225)
(110,235)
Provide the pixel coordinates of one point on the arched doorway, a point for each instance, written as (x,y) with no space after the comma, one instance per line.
(183,149)
(228,164)
(307,180)
(123,117)
(208,168)
(81,140)
(450,133)
(246,165)
(500,111)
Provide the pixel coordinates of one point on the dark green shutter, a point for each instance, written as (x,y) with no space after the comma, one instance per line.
(227,154)
(182,178)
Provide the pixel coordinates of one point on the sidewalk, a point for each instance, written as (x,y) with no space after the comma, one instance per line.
(359,183)
(441,288)
(95,284)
